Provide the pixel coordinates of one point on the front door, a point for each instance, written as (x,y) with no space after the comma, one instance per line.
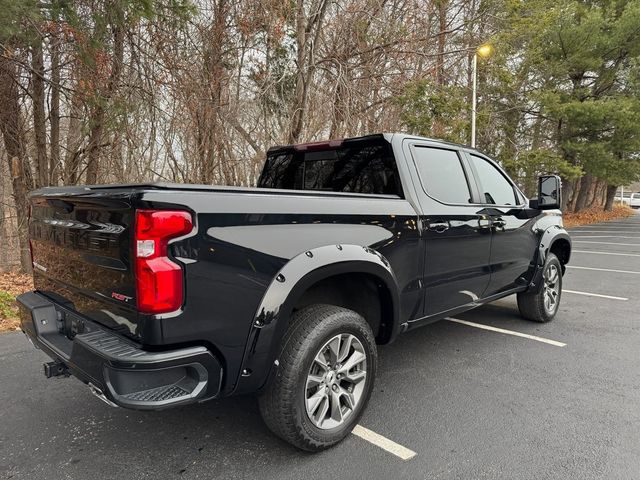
(457,238)
(514,241)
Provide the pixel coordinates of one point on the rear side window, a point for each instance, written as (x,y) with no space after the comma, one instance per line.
(363,168)
(495,188)
(442,175)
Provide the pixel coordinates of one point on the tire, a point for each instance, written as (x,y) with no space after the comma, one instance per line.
(536,306)
(296,387)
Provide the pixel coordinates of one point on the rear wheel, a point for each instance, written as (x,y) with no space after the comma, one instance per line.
(543,305)
(327,368)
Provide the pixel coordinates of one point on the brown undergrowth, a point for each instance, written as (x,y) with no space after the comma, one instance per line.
(596,215)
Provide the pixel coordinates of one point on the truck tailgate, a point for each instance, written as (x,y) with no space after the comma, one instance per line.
(81,245)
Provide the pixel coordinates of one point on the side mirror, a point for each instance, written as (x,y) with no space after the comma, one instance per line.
(549,193)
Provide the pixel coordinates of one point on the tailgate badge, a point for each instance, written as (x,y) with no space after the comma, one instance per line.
(121,297)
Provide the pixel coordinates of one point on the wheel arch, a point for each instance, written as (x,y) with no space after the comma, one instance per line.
(561,248)
(290,289)
(556,240)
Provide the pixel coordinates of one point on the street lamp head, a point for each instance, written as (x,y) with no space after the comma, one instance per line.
(485,50)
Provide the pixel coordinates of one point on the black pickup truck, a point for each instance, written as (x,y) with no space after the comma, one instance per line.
(158,295)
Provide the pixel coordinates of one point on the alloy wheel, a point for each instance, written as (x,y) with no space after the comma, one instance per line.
(551,288)
(336,380)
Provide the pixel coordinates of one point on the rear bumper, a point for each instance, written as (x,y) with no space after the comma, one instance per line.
(116,369)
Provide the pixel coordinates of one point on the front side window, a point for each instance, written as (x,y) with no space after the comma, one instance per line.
(495,188)
(442,175)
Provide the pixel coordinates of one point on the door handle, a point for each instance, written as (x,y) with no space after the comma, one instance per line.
(438,227)
(498,222)
(484,223)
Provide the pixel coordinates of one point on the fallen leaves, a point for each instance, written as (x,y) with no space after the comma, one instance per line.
(596,215)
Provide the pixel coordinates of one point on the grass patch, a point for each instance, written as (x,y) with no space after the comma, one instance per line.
(8,311)
(596,215)
(11,285)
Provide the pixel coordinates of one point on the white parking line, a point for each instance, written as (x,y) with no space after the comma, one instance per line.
(633,230)
(608,253)
(587,294)
(609,225)
(609,243)
(603,269)
(602,236)
(383,442)
(508,332)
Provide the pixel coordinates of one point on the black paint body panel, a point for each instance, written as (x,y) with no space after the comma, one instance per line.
(236,305)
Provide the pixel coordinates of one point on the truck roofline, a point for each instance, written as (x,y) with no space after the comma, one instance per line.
(388,136)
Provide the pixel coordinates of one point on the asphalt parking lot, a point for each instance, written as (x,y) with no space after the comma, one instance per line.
(471,403)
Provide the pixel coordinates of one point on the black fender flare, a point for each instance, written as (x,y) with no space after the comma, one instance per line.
(550,236)
(289,284)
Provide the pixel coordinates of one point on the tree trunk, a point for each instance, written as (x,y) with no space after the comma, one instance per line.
(593,194)
(600,197)
(568,187)
(54,112)
(74,134)
(39,115)
(583,193)
(14,144)
(300,94)
(4,227)
(437,123)
(99,114)
(611,193)
(307,36)
(442,37)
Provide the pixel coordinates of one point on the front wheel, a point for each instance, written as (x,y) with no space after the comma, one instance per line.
(327,368)
(543,305)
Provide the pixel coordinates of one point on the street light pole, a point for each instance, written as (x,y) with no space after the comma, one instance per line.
(474,74)
(484,51)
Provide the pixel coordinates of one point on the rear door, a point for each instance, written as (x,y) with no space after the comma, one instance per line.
(514,240)
(457,238)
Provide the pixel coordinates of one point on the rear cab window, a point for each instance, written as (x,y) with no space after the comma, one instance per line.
(355,166)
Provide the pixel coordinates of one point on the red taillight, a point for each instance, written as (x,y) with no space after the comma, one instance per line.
(158,279)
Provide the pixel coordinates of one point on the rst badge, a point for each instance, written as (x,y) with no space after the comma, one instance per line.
(121,297)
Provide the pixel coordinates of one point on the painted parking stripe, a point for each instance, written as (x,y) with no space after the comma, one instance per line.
(508,332)
(599,295)
(631,230)
(603,269)
(573,235)
(383,442)
(608,243)
(593,252)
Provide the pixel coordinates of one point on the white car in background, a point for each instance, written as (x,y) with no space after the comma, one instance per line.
(631,199)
